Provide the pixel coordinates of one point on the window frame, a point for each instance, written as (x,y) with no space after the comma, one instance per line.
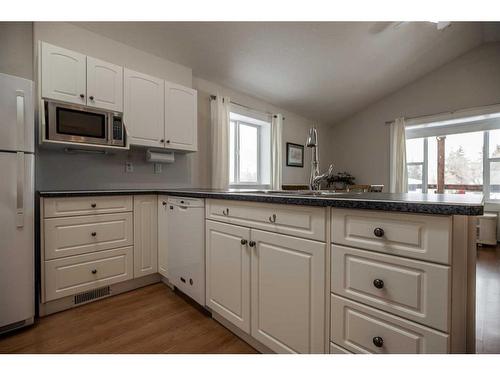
(259,124)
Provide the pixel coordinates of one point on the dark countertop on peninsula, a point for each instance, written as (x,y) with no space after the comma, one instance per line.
(436,204)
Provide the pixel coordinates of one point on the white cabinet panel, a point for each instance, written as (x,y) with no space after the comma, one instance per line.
(145,235)
(228,272)
(75,235)
(362,329)
(288,293)
(335,349)
(181,115)
(76,206)
(144,109)
(67,276)
(162,235)
(409,288)
(63,74)
(104,85)
(422,237)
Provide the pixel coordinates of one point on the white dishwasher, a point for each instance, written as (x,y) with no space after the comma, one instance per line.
(186,246)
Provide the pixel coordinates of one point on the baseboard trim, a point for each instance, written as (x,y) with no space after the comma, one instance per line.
(66,303)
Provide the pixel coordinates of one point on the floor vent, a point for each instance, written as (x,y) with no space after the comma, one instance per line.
(92,294)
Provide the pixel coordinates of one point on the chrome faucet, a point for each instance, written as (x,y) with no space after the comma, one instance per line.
(316,178)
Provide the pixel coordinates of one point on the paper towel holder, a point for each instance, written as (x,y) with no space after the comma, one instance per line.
(155,156)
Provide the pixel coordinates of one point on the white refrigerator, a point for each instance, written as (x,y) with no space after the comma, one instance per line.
(17,280)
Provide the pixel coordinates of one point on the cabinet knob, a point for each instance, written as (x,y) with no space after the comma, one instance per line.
(378,341)
(162,140)
(379,284)
(93,234)
(225,212)
(252,244)
(94,271)
(91,97)
(82,96)
(272,219)
(168,140)
(93,205)
(164,203)
(378,232)
(243,241)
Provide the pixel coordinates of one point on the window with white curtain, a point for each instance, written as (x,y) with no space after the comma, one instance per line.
(249,149)
(455,156)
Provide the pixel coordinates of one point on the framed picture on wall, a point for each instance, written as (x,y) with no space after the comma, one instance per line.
(294,155)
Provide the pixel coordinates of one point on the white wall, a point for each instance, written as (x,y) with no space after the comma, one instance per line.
(360,144)
(57,170)
(16,49)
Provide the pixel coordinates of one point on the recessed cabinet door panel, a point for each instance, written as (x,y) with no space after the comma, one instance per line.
(162,235)
(145,235)
(362,329)
(180,117)
(144,109)
(409,288)
(104,85)
(288,293)
(228,272)
(63,74)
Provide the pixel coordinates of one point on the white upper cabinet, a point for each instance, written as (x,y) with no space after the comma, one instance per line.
(144,109)
(104,85)
(180,117)
(63,74)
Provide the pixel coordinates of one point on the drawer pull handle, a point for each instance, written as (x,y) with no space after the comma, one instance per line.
(225,212)
(93,205)
(93,234)
(164,203)
(379,284)
(94,271)
(272,219)
(378,341)
(252,244)
(243,241)
(378,232)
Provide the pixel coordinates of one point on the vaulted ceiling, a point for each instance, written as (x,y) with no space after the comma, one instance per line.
(324,71)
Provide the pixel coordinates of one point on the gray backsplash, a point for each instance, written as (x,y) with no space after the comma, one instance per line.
(59,170)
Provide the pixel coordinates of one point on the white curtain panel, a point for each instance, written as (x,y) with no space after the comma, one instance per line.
(219,113)
(277,151)
(399,174)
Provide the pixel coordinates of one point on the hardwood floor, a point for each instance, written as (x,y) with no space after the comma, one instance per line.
(488,300)
(152,319)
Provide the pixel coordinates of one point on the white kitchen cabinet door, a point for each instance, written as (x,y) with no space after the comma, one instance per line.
(104,85)
(180,117)
(145,235)
(63,74)
(228,272)
(162,235)
(143,109)
(288,293)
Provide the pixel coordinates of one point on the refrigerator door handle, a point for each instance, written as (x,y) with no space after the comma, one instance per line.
(20,190)
(20,102)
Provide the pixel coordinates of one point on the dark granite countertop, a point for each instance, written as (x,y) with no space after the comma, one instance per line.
(437,204)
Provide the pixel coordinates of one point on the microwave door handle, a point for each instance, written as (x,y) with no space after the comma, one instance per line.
(20,191)
(20,104)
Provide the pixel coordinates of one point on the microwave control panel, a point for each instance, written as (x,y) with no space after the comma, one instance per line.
(117,128)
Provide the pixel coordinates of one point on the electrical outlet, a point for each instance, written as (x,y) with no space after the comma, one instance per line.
(157,168)
(129,167)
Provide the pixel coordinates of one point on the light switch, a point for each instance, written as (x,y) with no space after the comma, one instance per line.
(129,167)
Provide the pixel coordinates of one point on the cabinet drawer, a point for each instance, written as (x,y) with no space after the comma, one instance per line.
(410,235)
(74,206)
(335,349)
(85,234)
(67,276)
(409,288)
(300,221)
(358,328)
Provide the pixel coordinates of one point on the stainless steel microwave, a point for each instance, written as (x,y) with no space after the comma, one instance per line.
(80,124)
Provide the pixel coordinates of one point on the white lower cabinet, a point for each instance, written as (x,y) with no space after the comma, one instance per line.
(145,235)
(228,272)
(288,293)
(269,285)
(162,235)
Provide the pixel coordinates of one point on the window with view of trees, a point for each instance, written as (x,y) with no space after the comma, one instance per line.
(455,161)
